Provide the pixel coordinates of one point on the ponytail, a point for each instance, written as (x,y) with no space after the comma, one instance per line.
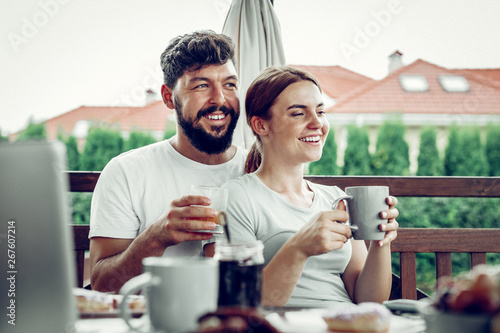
(254,158)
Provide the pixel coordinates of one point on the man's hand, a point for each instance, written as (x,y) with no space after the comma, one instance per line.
(183,218)
(114,261)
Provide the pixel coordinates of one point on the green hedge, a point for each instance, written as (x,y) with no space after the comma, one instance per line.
(465,155)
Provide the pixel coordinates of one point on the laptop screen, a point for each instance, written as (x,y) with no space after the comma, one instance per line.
(36,251)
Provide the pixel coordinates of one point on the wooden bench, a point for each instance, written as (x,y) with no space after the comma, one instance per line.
(442,241)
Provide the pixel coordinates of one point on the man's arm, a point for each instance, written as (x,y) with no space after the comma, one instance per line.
(105,254)
(113,261)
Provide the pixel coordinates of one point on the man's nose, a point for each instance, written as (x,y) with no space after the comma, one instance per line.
(217,95)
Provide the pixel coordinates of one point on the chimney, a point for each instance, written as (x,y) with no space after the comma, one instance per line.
(395,61)
(150,96)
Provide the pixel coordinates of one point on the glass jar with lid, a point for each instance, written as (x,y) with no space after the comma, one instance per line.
(240,273)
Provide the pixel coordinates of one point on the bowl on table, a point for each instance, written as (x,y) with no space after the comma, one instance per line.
(438,321)
(468,303)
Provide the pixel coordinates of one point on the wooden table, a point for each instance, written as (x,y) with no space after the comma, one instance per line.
(287,321)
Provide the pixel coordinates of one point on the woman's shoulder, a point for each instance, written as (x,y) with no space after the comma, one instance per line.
(249,179)
(326,189)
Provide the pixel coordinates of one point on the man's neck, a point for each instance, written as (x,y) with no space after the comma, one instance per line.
(182,145)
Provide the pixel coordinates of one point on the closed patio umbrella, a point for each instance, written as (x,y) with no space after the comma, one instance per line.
(255,30)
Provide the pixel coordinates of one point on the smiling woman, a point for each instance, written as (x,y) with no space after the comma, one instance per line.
(309,260)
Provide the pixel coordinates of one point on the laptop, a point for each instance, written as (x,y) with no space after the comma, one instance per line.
(38,269)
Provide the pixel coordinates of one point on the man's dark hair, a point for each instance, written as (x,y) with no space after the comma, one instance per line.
(192,51)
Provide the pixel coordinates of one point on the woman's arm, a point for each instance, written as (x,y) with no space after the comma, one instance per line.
(320,235)
(368,277)
(280,276)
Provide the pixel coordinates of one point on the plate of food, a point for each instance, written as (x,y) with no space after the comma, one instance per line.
(95,304)
(467,303)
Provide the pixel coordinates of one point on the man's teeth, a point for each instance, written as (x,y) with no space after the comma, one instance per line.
(310,139)
(216,116)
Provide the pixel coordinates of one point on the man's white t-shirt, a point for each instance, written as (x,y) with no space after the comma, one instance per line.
(137,187)
(255,212)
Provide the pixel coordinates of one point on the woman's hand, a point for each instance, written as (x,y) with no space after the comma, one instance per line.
(392,225)
(323,233)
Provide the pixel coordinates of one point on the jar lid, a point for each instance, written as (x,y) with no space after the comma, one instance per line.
(246,253)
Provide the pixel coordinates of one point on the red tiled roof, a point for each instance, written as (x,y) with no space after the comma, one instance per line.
(492,74)
(335,80)
(152,117)
(387,95)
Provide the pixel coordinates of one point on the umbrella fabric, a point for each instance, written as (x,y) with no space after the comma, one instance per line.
(255,31)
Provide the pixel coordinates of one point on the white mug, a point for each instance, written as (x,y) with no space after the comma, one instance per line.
(178,291)
(364,204)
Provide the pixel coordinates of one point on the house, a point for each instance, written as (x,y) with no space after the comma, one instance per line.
(423,94)
(335,81)
(151,118)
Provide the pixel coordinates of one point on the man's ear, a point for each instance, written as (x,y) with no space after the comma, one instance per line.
(167,94)
(259,125)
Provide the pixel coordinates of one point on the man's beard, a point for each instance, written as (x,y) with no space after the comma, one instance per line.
(201,140)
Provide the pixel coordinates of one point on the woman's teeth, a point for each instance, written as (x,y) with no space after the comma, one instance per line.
(310,139)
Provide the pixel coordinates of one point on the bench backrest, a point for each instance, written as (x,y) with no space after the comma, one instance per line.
(442,241)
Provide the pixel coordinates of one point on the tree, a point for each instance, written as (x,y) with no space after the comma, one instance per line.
(493,149)
(72,153)
(33,132)
(101,146)
(452,154)
(392,155)
(138,139)
(429,163)
(170,131)
(3,138)
(327,164)
(356,156)
(465,155)
(474,161)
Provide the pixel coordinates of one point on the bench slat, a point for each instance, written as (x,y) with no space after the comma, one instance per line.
(465,240)
(443,264)
(420,186)
(443,242)
(408,275)
(477,259)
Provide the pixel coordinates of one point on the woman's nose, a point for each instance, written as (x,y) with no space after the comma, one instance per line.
(315,121)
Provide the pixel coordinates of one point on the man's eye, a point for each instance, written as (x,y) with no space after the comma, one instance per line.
(232,85)
(204,85)
(297,114)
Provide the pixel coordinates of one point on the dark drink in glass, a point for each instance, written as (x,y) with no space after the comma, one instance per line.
(240,274)
(239,285)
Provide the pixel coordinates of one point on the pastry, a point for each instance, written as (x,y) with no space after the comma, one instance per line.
(364,317)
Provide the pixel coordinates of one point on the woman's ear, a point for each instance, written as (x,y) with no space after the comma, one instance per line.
(167,94)
(259,125)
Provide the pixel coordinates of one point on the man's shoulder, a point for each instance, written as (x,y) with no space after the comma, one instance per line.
(241,153)
(154,150)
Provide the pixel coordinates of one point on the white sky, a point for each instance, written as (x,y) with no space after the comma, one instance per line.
(56,55)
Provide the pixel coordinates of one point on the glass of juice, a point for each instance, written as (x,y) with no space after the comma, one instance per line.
(218,196)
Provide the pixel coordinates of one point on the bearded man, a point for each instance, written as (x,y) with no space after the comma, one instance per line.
(141,205)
